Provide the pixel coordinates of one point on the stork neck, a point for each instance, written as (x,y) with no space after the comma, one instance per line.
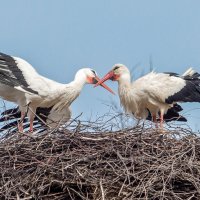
(125,80)
(78,83)
(71,91)
(124,84)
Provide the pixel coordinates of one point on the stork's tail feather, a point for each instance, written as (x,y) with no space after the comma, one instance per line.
(193,76)
(189,72)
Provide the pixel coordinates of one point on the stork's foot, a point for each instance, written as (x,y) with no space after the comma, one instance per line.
(31,130)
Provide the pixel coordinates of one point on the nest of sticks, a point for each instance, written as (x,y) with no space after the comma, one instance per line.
(136,163)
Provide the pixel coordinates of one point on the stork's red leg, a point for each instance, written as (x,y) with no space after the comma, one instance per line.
(20,124)
(31,119)
(31,126)
(161,120)
(155,120)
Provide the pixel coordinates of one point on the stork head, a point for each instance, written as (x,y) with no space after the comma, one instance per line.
(119,72)
(90,76)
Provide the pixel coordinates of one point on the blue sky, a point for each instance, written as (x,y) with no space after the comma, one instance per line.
(60,37)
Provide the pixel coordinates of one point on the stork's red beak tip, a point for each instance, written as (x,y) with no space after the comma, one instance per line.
(103,85)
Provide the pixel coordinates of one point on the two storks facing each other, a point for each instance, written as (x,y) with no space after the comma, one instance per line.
(21,84)
(155,94)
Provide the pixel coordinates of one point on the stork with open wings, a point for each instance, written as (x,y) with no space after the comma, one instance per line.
(20,83)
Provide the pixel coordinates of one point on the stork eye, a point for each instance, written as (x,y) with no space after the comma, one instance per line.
(94,72)
(117,67)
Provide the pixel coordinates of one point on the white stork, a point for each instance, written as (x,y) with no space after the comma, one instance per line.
(156,93)
(20,83)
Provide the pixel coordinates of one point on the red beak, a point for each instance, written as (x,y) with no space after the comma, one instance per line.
(109,75)
(97,80)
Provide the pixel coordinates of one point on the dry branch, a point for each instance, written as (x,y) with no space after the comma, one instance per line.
(136,163)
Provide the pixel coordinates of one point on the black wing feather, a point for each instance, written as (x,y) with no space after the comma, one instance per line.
(12,118)
(171,115)
(190,92)
(11,75)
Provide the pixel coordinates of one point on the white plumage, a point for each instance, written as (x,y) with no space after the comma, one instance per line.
(20,83)
(154,92)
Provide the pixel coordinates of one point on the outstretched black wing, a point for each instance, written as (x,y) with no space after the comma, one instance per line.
(11,118)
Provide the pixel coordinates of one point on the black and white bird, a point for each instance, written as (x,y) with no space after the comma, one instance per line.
(154,93)
(20,83)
